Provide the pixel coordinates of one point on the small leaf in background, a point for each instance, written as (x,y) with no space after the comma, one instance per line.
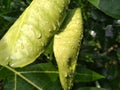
(111,72)
(34,77)
(86,75)
(91,88)
(7,3)
(109,31)
(7,18)
(118,53)
(110,7)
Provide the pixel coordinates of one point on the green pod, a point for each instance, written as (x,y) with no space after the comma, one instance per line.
(29,35)
(66,47)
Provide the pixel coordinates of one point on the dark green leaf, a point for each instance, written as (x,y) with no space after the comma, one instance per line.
(86,75)
(34,77)
(4,73)
(110,7)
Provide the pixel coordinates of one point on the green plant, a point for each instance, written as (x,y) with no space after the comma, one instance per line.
(98,62)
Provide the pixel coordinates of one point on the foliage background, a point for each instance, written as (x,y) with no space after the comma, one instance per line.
(100,50)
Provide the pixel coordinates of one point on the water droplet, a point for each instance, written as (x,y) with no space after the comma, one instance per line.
(69,87)
(37,50)
(58,23)
(12,57)
(77,22)
(57,36)
(30,26)
(50,30)
(7,58)
(73,47)
(30,49)
(60,10)
(22,46)
(70,76)
(42,44)
(54,27)
(63,49)
(12,64)
(66,75)
(39,35)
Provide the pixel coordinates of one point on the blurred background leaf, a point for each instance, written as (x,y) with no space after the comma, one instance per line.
(85,75)
(110,7)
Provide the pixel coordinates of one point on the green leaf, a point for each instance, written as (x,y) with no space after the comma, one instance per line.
(110,7)
(34,77)
(91,88)
(86,75)
(42,76)
(4,73)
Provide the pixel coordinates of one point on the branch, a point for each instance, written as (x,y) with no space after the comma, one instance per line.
(110,50)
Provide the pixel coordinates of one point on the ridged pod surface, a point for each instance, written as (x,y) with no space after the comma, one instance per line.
(30,34)
(66,48)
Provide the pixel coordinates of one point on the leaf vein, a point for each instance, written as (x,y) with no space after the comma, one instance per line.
(56,72)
